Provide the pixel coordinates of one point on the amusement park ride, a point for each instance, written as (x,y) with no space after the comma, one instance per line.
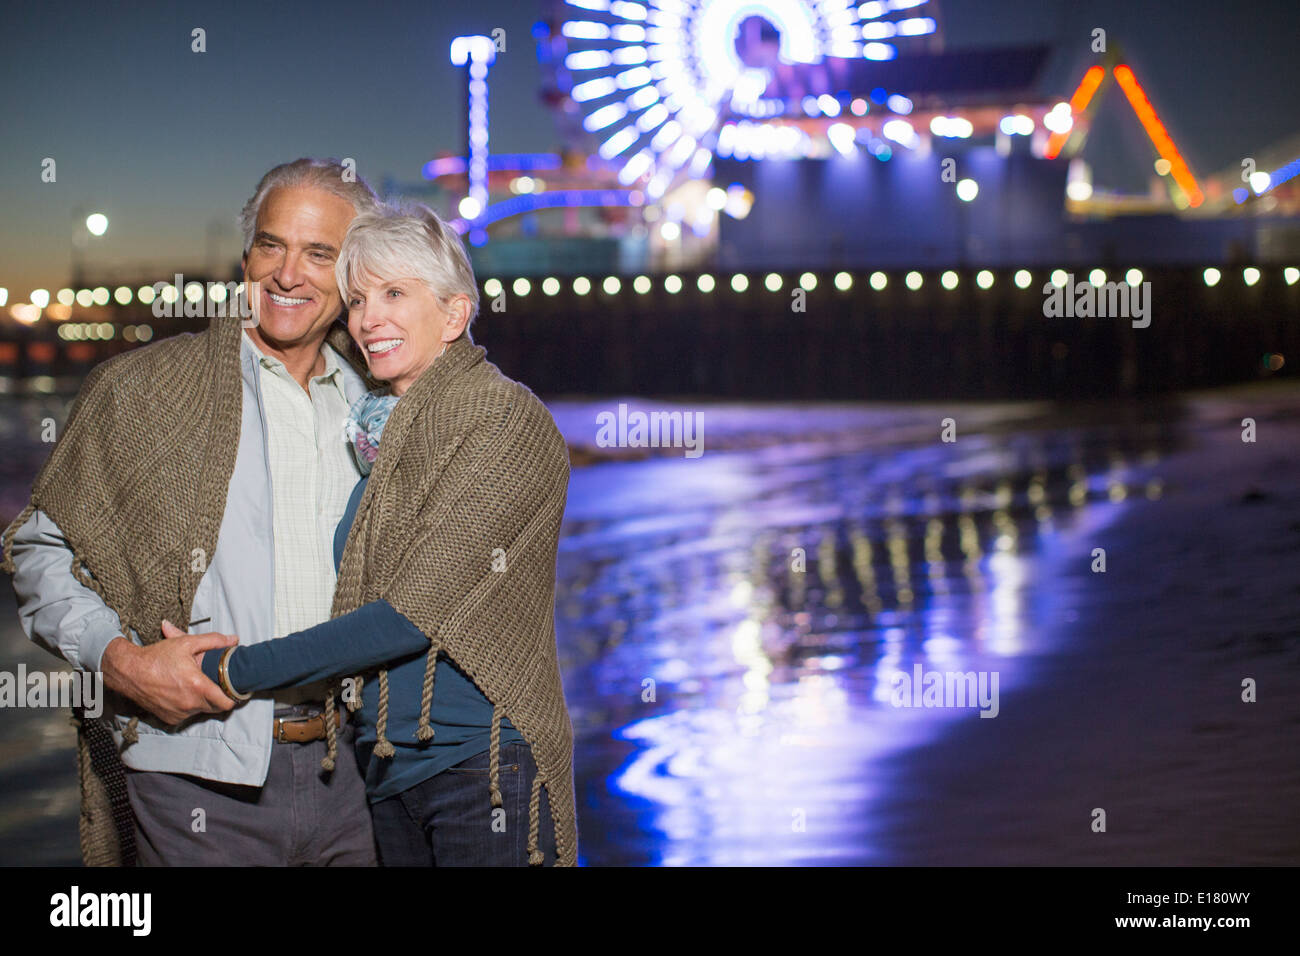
(659,99)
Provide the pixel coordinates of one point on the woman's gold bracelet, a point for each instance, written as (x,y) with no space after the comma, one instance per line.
(225,676)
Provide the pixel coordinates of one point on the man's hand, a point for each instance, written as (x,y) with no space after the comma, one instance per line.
(165,678)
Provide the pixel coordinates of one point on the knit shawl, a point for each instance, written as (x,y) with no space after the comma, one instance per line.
(137,483)
(458,530)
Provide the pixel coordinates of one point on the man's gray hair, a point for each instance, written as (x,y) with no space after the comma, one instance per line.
(329,175)
(401,240)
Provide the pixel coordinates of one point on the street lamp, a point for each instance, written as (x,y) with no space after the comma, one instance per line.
(95,224)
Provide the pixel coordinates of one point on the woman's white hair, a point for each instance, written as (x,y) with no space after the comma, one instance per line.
(406,239)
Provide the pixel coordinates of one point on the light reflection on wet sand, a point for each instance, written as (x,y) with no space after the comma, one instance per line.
(771,713)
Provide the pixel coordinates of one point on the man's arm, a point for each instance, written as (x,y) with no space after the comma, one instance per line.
(71,621)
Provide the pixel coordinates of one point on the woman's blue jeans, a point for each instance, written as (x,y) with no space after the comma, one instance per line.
(448,820)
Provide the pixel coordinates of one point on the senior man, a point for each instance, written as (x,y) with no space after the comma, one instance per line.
(198,483)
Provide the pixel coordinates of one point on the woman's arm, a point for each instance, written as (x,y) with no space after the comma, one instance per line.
(367,637)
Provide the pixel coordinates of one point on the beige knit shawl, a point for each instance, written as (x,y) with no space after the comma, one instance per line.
(458,530)
(137,483)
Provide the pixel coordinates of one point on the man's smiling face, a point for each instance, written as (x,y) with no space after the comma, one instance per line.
(299,233)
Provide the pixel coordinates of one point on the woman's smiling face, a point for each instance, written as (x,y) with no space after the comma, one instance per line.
(402,326)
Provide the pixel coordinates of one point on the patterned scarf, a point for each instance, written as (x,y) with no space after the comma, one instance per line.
(365,424)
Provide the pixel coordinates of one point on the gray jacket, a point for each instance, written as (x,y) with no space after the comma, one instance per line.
(237,592)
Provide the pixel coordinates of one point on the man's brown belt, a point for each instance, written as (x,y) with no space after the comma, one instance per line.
(303,730)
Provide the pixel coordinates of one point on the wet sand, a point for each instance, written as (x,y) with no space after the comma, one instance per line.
(1141,714)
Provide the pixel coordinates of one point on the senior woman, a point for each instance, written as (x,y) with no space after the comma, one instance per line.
(446,574)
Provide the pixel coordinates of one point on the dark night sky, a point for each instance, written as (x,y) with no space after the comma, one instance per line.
(169,143)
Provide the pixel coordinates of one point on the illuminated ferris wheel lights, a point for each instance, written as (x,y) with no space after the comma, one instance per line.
(618,143)
(628,55)
(916,26)
(630,79)
(628,11)
(629,33)
(652,118)
(585,30)
(681,152)
(588,59)
(593,89)
(678,62)
(641,98)
(636,167)
(605,116)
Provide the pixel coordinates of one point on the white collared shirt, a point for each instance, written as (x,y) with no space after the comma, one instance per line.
(312,475)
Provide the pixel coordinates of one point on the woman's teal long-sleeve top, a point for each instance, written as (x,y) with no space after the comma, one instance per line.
(375,634)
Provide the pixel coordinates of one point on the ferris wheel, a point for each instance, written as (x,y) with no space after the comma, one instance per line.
(665,85)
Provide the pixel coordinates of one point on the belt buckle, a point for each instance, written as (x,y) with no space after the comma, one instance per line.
(283,722)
